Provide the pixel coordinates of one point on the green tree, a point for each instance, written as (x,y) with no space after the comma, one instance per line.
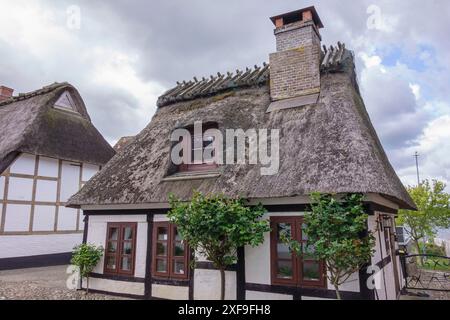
(337,229)
(86,257)
(433,205)
(216,226)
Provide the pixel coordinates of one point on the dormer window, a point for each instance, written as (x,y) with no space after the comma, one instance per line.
(66,103)
(201,148)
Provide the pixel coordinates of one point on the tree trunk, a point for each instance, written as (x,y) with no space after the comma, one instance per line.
(416,242)
(338,294)
(222,284)
(87,285)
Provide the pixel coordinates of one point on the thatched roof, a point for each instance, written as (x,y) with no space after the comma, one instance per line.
(122,143)
(30,124)
(330,146)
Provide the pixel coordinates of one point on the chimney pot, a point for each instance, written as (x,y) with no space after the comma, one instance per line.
(5,93)
(295,66)
(307,15)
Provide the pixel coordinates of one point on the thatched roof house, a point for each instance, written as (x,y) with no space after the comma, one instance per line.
(326,143)
(30,124)
(49,148)
(328,146)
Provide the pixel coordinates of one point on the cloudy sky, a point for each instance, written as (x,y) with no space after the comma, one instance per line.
(123,54)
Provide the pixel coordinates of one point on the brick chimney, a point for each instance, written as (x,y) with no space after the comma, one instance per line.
(295,67)
(5,93)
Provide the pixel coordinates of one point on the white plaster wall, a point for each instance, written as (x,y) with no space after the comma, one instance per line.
(2,187)
(207,285)
(48,167)
(24,164)
(67,219)
(89,170)
(17,218)
(265,296)
(135,288)
(70,180)
(170,292)
(23,246)
(44,218)
(257,263)
(97,236)
(20,189)
(46,191)
(351,285)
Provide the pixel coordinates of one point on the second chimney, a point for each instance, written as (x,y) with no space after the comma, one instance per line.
(5,93)
(295,67)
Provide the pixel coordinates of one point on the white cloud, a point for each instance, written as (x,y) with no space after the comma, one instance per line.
(415,88)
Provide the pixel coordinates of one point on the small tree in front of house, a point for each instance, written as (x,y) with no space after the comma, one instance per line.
(337,229)
(86,257)
(433,205)
(215,226)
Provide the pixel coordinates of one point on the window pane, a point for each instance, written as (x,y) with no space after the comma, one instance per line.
(304,236)
(284,270)
(128,234)
(127,248)
(178,267)
(311,271)
(161,266)
(309,252)
(114,234)
(177,235)
(161,249)
(111,263)
(179,249)
(162,234)
(284,230)
(126,264)
(283,251)
(112,247)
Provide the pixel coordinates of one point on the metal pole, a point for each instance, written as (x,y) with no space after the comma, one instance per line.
(417,167)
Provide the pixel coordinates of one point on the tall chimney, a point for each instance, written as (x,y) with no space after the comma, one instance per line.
(295,67)
(5,93)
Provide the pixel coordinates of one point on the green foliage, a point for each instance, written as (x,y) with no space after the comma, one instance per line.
(433,205)
(433,249)
(337,229)
(86,257)
(216,226)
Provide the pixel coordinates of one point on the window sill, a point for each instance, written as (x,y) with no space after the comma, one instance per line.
(200,175)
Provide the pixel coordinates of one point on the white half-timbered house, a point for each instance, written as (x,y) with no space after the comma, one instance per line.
(327,144)
(48,150)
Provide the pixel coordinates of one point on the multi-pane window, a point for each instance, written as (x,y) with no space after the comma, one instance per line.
(202,155)
(170,252)
(120,248)
(288,268)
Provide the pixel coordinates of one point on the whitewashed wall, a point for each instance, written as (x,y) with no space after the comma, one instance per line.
(384,278)
(33,193)
(97,235)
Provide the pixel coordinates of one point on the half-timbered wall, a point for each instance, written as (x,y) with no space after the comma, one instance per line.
(97,235)
(33,194)
(383,258)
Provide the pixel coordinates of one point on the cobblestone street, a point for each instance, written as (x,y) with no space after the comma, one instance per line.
(41,284)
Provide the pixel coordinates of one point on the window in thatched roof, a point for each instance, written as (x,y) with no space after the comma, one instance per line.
(65,102)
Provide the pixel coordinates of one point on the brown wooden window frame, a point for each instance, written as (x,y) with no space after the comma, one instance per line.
(298,262)
(189,145)
(170,256)
(119,248)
